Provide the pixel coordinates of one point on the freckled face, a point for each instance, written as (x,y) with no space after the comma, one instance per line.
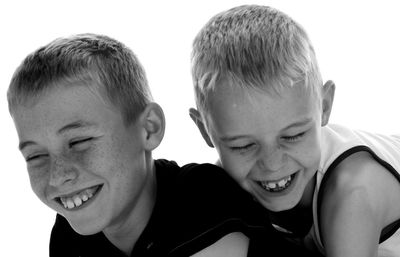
(269,143)
(83,162)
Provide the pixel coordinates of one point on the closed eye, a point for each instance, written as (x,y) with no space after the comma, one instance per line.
(76,143)
(242,148)
(35,157)
(294,138)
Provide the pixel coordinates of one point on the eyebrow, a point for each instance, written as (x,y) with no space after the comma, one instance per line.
(24,144)
(293,125)
(70,126)
(75,125)
(298,123)
(233,138)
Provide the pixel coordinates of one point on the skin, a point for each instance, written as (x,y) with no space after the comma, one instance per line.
(267,136)
(72,140)
(263,136)
(357,205)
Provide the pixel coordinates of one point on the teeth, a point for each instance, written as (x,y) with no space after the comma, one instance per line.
(90,193)
(70,204)
(85,198)
(276,186)
(282,182)
(78,199)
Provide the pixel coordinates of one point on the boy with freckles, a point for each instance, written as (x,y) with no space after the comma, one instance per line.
(87,127)
(261,102)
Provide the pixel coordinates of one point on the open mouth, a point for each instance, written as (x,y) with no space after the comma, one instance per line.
(79,199)
(278,185)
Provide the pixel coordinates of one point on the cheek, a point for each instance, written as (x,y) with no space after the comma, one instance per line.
(124,156)
(98,158)
(236,166)
(39,180)
(309,154)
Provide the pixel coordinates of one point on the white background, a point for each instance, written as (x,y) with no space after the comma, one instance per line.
(357,45)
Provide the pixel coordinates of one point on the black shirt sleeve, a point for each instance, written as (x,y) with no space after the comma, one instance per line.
(208,205)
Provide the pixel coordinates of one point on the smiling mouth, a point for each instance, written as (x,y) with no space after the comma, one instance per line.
(278,185)
(78,199)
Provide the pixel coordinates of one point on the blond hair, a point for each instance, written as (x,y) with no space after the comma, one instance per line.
(253,46)
(92,60)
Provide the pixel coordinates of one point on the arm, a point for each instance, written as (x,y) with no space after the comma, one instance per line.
(356,205)
(233,245)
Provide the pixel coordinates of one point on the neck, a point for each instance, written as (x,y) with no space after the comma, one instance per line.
(125,234)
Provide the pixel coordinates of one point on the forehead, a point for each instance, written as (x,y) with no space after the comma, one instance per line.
(233,109)
(60,106)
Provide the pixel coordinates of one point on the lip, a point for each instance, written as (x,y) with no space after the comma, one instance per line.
(276,180)
(84,204)
(262,193)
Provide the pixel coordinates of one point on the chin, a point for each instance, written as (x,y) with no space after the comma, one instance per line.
(86,228)
(278,206)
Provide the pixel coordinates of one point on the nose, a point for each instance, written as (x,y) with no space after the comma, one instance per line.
(62,171)
(272,159)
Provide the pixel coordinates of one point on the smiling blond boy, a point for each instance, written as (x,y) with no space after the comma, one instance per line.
(262,103)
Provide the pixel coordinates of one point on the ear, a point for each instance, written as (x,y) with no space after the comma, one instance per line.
(153,122)
(328,94)
(196,117)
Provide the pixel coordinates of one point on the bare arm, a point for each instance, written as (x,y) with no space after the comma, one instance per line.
(356,205)
(233,245)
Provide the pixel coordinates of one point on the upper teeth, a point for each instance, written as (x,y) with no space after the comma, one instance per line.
(79,198)
(280,184)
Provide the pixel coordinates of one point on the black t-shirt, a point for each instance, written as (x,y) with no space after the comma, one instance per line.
(196,205)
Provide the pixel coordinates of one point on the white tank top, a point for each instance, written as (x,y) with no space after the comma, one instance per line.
(338,143)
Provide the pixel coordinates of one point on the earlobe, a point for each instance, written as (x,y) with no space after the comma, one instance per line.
(328,95)
(154,125)
(196,117)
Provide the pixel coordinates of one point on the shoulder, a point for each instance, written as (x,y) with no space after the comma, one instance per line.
(210,183)
(210,187)
(208,205)
(192,171)
(355,203)
(205,181)
(202,170)
(360,177)
(207,173)
(358,182)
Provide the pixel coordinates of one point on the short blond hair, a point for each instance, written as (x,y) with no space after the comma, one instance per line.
(88,59)
(254,46)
